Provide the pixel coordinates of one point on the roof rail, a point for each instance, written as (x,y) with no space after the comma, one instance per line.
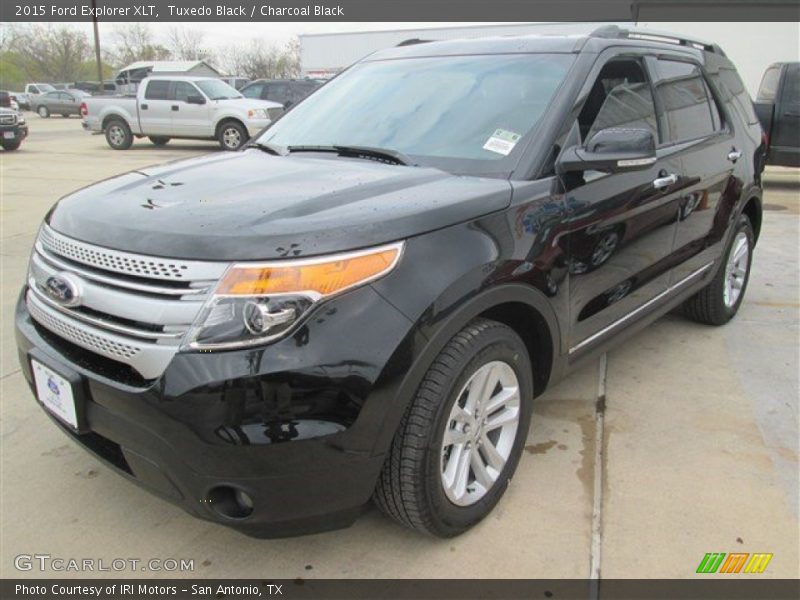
(613,31)
(413,42)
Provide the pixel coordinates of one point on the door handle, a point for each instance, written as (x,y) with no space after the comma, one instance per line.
(666,181)
(144,107)
(174,107)
(734,155)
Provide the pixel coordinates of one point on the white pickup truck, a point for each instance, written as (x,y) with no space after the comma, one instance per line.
(178,107)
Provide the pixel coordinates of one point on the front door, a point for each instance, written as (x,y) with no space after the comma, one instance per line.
(189,120)
(621,224)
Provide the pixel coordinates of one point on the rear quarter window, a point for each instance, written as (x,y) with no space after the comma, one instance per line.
(733,92)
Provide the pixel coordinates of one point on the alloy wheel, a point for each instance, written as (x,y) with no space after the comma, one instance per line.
(480,433)
(736,269)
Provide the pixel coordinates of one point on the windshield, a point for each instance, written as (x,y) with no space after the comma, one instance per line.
(44,87)
(217,90)
(470,110)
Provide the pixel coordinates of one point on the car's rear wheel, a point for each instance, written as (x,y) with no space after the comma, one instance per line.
(43,112)
(232,135)
(118,135)
(460,440)
(719,301)
(159,141)
(65,115)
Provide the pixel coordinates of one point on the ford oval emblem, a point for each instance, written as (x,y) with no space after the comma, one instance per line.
(63,289)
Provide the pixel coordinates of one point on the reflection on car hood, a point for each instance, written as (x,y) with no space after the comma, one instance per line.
(251,205)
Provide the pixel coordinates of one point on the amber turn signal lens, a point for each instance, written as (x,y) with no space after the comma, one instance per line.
(326,277)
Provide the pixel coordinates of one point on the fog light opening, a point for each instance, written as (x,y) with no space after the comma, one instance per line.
(230,502)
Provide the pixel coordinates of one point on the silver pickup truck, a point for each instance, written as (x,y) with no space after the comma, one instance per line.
(178,107)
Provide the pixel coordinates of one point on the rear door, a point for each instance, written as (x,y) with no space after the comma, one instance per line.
(189,120)
(702,133)
(155,108)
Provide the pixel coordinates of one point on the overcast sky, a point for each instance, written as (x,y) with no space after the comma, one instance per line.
(221,35)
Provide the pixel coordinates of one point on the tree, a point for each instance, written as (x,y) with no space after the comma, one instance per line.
(187,44)
(49,53)
(256,60)
(132,42)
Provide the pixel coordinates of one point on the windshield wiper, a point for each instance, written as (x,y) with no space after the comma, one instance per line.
(268,148)
(368,152)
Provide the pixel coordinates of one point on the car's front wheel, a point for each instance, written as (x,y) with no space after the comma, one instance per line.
(232,135)
(460,440)
(719,301)
(43,112)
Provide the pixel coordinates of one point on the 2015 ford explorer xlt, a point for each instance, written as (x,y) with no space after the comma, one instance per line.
(364,302)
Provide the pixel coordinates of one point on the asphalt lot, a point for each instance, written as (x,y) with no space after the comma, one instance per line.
(699,452)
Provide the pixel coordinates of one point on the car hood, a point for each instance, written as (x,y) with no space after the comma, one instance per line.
(252,206)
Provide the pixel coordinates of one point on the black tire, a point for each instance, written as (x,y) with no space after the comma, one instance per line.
(11,146)
(65,115)
(159,141)
(708,305)
(232,135)
(43,112)
(410,487)
(118,134)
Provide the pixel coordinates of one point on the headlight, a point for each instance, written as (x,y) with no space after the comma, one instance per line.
(257,303)
(258,113)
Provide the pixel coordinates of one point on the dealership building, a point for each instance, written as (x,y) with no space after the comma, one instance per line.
(751,46)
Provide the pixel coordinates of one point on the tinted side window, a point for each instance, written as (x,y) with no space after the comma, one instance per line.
(252,91)
(686,101)
(769,85)
(620,97)
(277,92)
(157,90)
(730,85)
(183,90)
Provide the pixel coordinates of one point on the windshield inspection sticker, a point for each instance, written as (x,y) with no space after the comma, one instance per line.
(502,142)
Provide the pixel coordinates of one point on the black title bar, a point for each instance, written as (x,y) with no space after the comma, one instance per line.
(397,10)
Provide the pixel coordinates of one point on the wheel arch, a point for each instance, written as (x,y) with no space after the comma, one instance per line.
(523,308)
(754,211)
(225,119)
(113,117)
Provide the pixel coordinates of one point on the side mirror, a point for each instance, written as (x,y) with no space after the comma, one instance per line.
(196,100)
(612,149)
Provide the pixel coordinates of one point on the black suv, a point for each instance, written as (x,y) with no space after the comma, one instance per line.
(283,91)
(365,301)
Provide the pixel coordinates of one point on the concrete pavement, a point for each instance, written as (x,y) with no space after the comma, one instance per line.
(700,452)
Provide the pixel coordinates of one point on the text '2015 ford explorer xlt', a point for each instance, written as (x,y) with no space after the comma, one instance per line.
(364,301)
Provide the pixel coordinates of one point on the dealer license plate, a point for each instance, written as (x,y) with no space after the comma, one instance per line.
(55,392)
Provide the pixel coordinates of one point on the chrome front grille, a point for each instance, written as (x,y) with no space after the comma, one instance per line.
(133,308)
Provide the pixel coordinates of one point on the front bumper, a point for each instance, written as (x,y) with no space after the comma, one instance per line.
(293,425)
(254,126)
(20,132)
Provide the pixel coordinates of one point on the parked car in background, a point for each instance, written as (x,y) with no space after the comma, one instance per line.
(13,129)
(202,108)
(64,103)
(365,301)
(95,88)
(778,108)
(22,100)
(283,91)
(6,100)
(236,82)
(35,89)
